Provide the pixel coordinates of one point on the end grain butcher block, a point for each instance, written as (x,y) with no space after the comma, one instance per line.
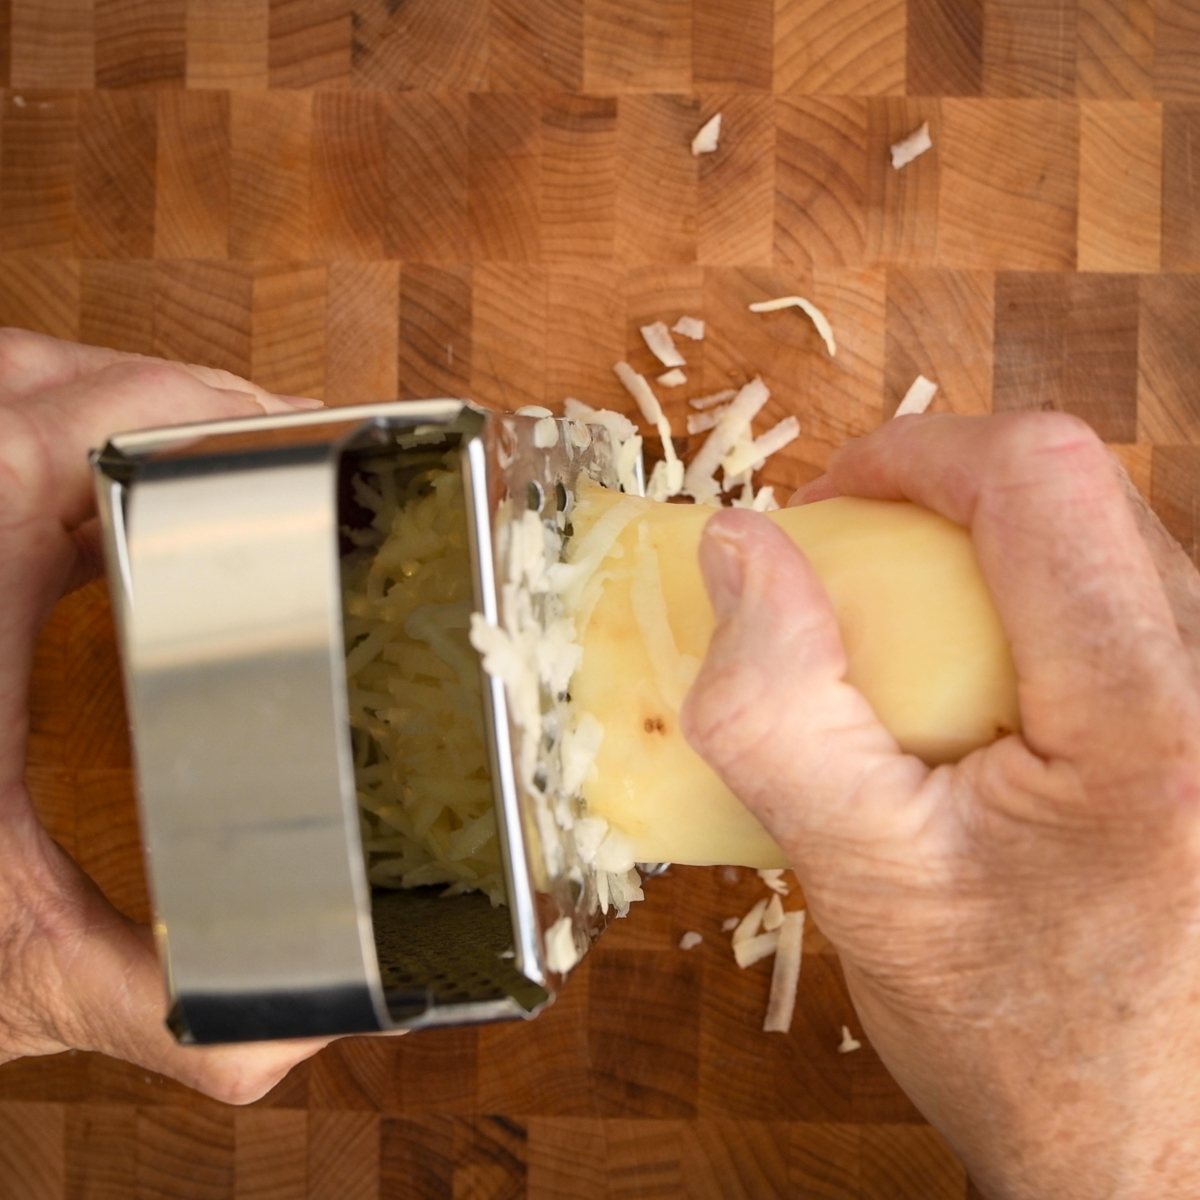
(487,198)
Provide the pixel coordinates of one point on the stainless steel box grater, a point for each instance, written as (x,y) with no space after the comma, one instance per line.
(222,542)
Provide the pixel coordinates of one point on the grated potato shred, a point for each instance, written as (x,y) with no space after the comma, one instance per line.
(420,755)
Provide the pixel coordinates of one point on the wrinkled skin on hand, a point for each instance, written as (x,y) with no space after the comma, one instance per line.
(75,973)
(1021,931)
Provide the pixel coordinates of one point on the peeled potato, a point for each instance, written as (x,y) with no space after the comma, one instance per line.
(922,637)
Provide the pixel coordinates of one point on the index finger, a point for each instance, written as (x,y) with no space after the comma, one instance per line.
(1094,641)
(33,362)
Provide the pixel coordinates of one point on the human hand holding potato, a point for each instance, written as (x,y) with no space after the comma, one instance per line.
(1020,931)
(75,973)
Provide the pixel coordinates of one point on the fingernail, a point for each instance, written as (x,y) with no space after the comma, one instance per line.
(820,488)
(724,572)
(304,402)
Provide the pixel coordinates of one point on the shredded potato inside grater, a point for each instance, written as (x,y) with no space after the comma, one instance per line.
(416,711)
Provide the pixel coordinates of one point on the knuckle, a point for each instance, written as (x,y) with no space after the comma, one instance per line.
(1050,435)
(148,375)
(22,352)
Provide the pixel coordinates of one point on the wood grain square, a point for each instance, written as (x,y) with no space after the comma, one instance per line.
(824,1160)
(435,331)
(820,181)
(416,1158)
(633,47)
(270,1156)
(834,398)
(37,173)
(489,1159)
(40,294)
(1180,188)
(185,1153)
(31,1151)
(567,1158)
(557,1083)
(585,306)
(426,44)
(349,175)
(735,1160)
(909,1163)
(656,218)
(535,45)
(426,218)
(352,1075)
(1175,494)
(1069,343)
(733,46)
(1009,183)
(52,44)
(191,182)
(504,184)
(736,198)
(1120,185)
(940,325)
(644,1160)
(309,43)
(107,839)
(436,1074)
(99,730)
(203,313)
(116,307)
(823,47)
(362,332)
(578,178)
(101,1152)
(508,326)
(112,1082)
(227,42)
(140,42)
(48,701)
(944,51)
(902,206)
(343,1156)
(114,178)
(748,1074)
(53,1079)
(1029,48)
(1115,54)
(5,41)
(1169,360)
(645,1062)
(271,147)
(1177,50)
(287,329)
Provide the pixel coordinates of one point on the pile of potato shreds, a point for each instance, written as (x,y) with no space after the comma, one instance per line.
(416,714)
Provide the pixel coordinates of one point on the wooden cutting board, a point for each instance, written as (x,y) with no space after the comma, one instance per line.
(486,198)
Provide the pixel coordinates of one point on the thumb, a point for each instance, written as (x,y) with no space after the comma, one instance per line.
(771,711)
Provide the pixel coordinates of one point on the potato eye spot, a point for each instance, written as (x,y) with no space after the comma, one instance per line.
(654,725)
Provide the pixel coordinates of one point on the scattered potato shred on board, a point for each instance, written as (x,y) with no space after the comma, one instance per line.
(918,397)
(709,134)
(913,146)
(848,1043)
(817,317)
